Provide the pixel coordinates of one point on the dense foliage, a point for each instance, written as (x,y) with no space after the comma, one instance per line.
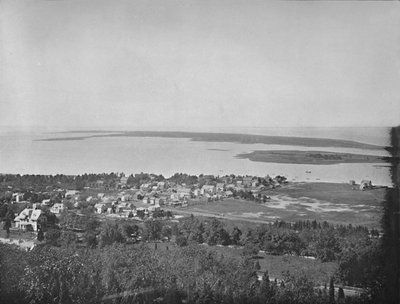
(140,274)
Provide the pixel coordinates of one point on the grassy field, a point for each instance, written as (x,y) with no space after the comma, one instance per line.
(335,203)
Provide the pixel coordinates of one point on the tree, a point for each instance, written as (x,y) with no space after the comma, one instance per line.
(110,234)
(90,239)
(54,276)
(9,217)
(331,291)
(327,245)
(130,230)
(12,264)
(40,235)
(92,224)
(236,235)
(198,234)
(250,250)
(216,234)
(181,240)
(265,287)
(68,239)
(52,236)
(166,231)
(152,230)
(341,297)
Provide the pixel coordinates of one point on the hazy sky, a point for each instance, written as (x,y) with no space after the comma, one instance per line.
(145,64)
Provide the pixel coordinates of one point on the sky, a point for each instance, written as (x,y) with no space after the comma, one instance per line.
(80,64)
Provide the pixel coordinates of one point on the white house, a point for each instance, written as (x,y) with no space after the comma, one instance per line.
(71,193)
(196,192)
(57,208)
(145,187)
(254,183)
(183,192)
(46,202)
(153,208)
(220,187)
(101,207)
(17,197)
(210,189)
(28,217)
(365,184)
(228,193)
(101,195)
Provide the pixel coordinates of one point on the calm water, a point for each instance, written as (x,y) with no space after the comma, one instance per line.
(20,153)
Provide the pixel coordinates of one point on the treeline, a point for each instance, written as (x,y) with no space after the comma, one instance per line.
(307,238)
(355,249)
(43,183)
(36,182)
(119,273)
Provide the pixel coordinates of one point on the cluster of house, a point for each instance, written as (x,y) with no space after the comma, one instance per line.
(125,204)
(150,197)
(364,184)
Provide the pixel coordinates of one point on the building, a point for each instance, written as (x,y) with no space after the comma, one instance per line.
(196,192)
(220,187)
(101,195)
(57,208)
(183,192)
(145,187)
(123,180)
(365,184)
(17,197)
(70,193)
(101,207)
(247,180)
(228,193)
(255,183)
(210,189)
(28,219)
(45,202)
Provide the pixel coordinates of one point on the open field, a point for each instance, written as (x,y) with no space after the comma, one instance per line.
(309,157)
(227,137)
(335,203)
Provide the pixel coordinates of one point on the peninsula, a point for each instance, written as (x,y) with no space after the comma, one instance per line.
(309,157)
(223,137)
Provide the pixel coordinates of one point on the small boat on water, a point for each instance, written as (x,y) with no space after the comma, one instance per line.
(308,171)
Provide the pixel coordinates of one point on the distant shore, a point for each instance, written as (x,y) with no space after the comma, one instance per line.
(225,137)
(309,157)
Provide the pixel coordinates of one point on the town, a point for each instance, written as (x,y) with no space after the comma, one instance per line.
(91,214)
(139,197)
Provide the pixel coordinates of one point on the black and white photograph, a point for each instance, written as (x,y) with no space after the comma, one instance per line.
(199,152)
